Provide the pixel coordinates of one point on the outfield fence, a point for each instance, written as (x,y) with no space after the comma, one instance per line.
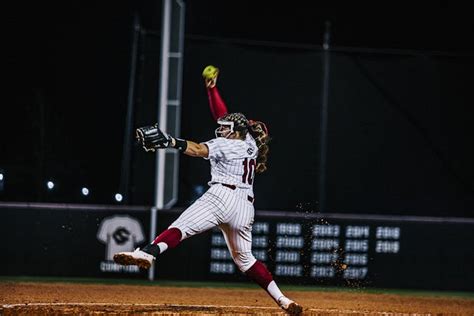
(300,248)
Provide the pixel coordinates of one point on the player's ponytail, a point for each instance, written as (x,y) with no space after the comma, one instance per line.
(259,132)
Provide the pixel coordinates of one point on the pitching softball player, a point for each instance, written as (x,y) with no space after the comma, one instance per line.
(238,152)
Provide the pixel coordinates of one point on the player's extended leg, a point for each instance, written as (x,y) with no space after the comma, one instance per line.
(238,236)
(145,256)
(202,215)
(260,274)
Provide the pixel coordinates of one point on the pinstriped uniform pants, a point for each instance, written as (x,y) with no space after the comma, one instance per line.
(231,211)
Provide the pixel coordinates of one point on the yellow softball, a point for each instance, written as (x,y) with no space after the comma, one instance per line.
(210,72)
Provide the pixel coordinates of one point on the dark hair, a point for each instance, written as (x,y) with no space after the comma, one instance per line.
(259,132)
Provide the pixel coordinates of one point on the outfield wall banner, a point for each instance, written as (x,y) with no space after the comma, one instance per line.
(70,240)
(352,250)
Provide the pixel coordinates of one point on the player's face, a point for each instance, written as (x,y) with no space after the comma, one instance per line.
(223,131)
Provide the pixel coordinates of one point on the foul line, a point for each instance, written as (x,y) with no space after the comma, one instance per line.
(132,304)
(325,310)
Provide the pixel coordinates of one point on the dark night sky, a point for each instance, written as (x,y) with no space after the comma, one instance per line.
(72,59)
(424,26)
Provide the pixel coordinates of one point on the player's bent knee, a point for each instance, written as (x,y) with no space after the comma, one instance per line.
(183,233)
(244,260)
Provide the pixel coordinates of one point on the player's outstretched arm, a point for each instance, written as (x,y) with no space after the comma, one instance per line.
(189,147)
(216,103)
(196,150)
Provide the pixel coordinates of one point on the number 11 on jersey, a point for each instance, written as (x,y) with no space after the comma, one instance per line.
(249,170)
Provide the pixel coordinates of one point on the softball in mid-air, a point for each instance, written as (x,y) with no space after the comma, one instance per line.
(210,72)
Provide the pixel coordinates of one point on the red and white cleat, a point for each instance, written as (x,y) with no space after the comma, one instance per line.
(138,257)
(289,306)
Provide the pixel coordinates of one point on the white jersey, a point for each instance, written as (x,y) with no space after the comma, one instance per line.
(233,161)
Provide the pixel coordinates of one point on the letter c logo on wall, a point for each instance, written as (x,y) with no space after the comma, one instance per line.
(120,233)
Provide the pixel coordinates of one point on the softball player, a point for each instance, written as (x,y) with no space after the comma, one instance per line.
(238,152)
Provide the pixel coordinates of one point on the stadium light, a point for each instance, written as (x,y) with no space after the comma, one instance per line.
(118,197)
(2,182)
(50,185)
(85,191)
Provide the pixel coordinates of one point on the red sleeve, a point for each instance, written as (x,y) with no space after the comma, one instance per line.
(217,105)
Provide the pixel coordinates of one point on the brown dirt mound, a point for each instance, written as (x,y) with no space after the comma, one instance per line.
(94,299)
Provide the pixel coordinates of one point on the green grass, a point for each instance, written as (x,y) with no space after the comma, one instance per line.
(246,285)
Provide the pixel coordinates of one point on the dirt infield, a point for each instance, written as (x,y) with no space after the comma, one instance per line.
(97,299)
